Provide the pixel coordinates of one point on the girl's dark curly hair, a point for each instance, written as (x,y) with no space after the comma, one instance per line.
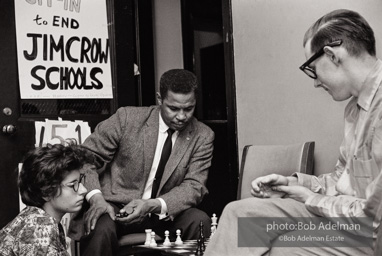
(46,167)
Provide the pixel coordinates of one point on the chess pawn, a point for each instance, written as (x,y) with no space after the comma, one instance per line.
(178,240)
(166,240)
(153,243)
(148,236)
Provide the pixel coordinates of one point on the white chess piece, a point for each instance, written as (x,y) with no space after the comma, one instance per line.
(214,220)
(166,240)
(153,243)
(178,240)
(212,231)
(214,224)
(148,236)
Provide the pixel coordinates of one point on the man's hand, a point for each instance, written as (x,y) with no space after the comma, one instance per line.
(298,193)
(139,209)
(261,187)
(98,206)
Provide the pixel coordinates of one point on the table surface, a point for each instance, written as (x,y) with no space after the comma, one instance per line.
(188,248)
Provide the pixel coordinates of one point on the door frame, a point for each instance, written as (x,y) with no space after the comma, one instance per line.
(232,170)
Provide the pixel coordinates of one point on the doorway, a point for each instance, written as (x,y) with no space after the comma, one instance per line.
(208,51)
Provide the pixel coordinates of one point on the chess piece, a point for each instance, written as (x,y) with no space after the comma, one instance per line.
(148,236)
(214,224)
(214,219)
(178,240)
(153,243)
(201,237)
(125,212)
(199,251)
(121,214)
(166,240)
(212,231)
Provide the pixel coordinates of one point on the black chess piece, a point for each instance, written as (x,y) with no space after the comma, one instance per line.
(128,210)
(201,237)
(121,214)
(199,250)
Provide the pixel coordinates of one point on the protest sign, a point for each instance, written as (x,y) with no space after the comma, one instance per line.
(63,49)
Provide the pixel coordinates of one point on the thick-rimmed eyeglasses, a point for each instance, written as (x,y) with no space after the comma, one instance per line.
(310,71)
(76,184)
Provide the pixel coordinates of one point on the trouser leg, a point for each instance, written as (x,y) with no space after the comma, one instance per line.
(102,240)
(189,222)
(225,240)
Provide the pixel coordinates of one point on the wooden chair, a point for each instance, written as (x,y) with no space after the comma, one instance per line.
(260,160)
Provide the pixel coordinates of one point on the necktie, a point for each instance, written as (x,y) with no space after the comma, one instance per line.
(166,152)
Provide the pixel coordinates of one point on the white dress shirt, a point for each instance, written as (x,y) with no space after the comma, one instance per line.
(162,136)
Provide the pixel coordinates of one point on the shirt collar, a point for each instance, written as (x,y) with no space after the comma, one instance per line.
(41,211)
(163,127)
(370,86)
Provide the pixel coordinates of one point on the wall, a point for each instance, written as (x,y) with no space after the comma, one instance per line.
(276,102)
(168,51)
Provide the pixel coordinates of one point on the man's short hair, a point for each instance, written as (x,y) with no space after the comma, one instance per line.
(178,81)
(356,34)
(44,169)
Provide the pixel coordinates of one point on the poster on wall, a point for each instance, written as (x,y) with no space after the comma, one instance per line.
(63,49)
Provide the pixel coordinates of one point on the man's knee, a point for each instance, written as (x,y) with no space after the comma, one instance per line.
(253,206)
(235,207)
(105,224)
(102,240)
(194,215)
(105,229)
(190,221)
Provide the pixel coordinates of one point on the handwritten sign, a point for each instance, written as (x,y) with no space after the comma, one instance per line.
(63,49)
(61,132)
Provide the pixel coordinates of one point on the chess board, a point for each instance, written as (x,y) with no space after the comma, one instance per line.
(187,248)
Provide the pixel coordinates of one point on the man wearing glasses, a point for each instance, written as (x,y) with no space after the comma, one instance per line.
(340,48)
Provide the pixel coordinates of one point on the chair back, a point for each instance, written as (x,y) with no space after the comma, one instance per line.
(260,160)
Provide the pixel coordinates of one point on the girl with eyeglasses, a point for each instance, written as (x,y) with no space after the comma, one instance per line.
(50,184)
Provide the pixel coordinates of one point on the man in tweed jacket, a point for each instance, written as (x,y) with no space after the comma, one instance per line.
(128,146)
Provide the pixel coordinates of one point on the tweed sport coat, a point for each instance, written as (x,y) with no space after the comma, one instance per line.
(126,143)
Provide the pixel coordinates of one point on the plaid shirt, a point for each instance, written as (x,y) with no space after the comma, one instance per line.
(345,192)
(33,232)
